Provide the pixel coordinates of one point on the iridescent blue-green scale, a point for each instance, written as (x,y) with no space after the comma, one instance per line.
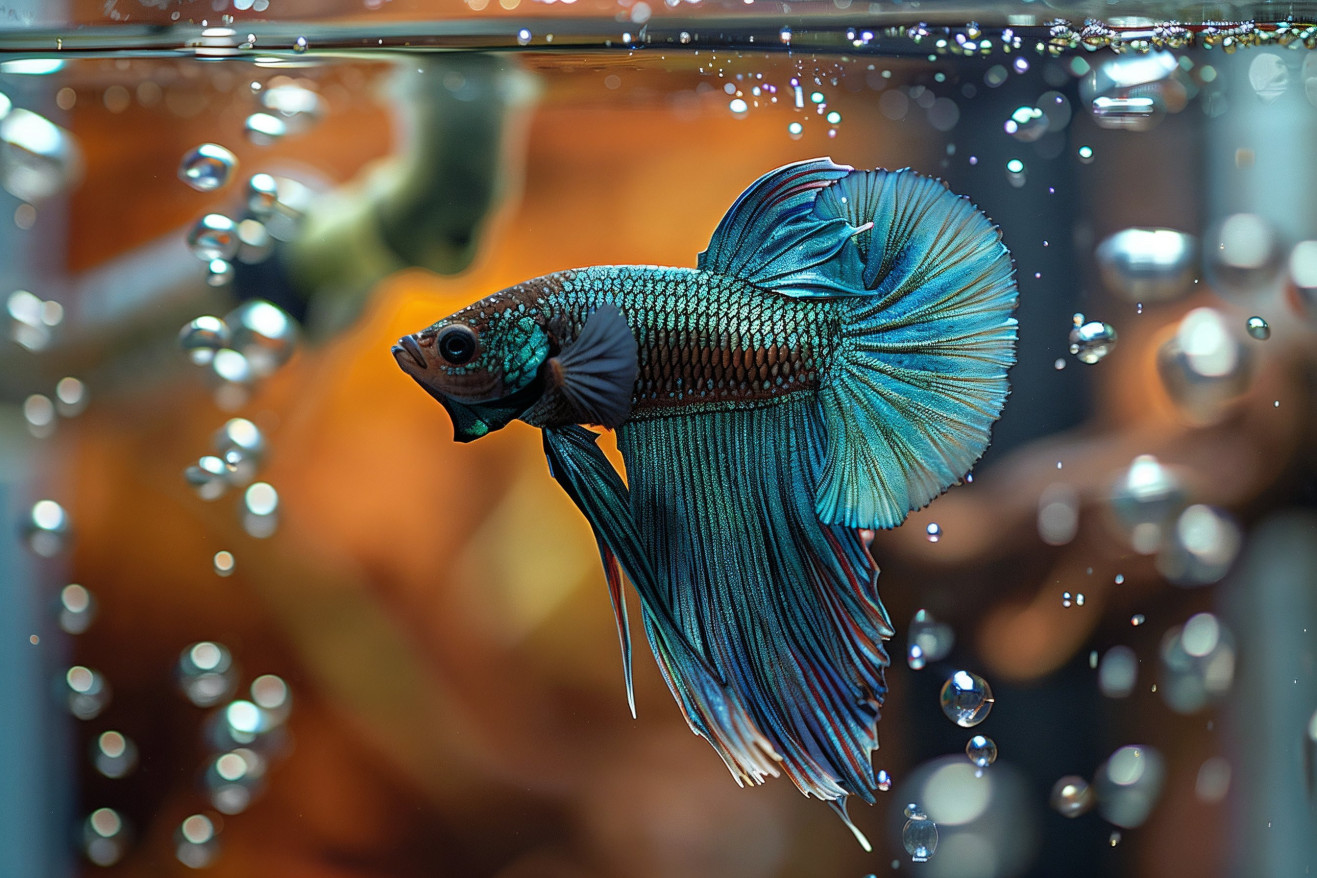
(706,342)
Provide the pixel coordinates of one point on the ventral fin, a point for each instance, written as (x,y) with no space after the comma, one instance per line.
(597,372)
(772,238)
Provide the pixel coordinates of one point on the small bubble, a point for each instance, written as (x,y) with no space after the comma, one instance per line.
(884,780)
(1114,838)
(104,837)
(87,693)
(206,673)
(1015,173)
(70,396)
(1137,619)
(260,510)
(785,35)
(114,754)
(1128,784)
(1079,599)
(201,338)
(919,835)
(1120,578)
(209,477)
(795,130)
(929,640)
(1026,124)
(47,529)
(934,531)
(264,334)
(966,699)
(207,167)
(300,45)
(738,107)
(223,562)
(195,842)
(1066,600)
(1118,672)
(981,751)
(1059,364)
(262,194)
(39,412)
(214,236)
(77,609)
(1092,340)
(1071,796)
(523,37)
(263,129)
(1085,154)
(234,779)
(1258,328)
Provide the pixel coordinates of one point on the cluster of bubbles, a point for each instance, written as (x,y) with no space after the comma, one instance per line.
(248,344)
(33,321)
(238,448)
(40,410)
(1195,544)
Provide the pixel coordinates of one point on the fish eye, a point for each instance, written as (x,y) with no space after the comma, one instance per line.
(457,343)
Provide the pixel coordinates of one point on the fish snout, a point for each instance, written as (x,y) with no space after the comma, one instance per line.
(408,346)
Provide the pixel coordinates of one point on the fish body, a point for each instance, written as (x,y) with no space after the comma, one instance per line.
(836,359)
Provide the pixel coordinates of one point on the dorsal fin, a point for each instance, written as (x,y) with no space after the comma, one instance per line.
(597,372)
(772,238)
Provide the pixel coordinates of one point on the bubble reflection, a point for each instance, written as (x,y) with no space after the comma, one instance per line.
(203,337)
(264,334)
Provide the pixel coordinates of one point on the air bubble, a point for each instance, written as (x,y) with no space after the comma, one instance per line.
(884,780)
(1243,255)
(77,609)
(919,835)
(47,530)
(1197,663)
(214,236)
(201,338)
(1138,619)
(933,531)
(195,842)
(300,45)
(86,692)
(1202,546)
(738,107)
(1148,264)
(104,837)
(1085,154)
(1091,341)
(1258,328)
(1026,124)
(928,640)
(207,167)
(223,563)
(206,674)
(264,334)
(1269,76)
(70,396)
(795,130)
(981,751)
(260,516)
(966,699)
(1128,784)
(114,754)
(234,779)
(1071,796)
(523,37)
(263,129)
(209,477)
(1015,174)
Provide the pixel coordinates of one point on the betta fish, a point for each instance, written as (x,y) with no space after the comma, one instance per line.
(836,359)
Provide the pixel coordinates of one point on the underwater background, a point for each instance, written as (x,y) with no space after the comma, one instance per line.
(261,616)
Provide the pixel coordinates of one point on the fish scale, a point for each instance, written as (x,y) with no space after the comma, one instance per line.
(706,342)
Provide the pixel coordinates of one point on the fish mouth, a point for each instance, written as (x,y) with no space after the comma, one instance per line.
(408,345)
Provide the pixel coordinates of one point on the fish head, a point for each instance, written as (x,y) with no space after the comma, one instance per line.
(482,364)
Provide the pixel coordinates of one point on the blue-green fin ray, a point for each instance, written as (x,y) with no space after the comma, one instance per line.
(783,606)
(581,468)
(921,371)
